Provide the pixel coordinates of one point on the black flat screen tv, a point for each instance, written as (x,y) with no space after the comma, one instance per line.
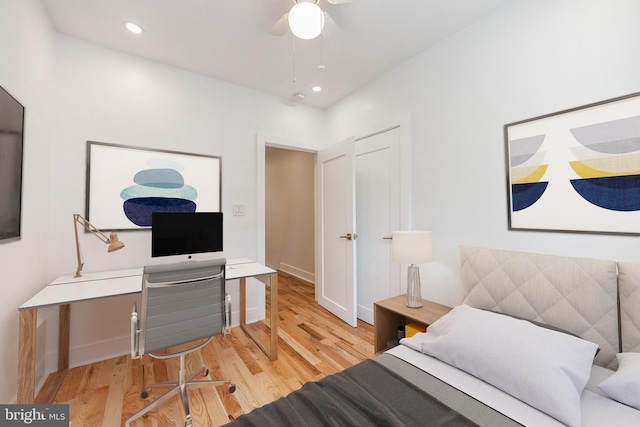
(11,139)
(185,233)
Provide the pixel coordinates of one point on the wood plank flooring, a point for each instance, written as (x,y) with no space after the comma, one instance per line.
(312,343)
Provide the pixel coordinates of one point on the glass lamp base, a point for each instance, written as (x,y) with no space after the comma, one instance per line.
(414,297)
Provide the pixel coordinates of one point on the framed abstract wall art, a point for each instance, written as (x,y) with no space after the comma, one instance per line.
(125,185)
(577,170)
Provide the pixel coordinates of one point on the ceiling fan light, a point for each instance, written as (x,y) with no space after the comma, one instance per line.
(306,20)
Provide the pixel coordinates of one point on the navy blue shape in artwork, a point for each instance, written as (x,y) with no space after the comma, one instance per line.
(616,193)
(139,210)
(525,195)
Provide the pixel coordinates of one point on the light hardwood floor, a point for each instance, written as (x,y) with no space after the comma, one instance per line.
(312,343)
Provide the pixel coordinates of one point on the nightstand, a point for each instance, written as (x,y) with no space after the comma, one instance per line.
(392,313)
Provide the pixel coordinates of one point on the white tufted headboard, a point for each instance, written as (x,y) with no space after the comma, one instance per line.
(576,294)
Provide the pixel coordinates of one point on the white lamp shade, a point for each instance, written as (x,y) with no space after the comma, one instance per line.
(411,247)
(306,20)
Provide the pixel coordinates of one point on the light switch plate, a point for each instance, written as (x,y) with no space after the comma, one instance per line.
(238,210)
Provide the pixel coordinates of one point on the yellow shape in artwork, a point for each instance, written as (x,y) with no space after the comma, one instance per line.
(607,166)
(528,175)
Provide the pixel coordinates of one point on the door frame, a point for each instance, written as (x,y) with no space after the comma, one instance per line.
(262,141)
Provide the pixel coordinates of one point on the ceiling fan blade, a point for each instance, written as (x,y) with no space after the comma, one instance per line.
(281,27)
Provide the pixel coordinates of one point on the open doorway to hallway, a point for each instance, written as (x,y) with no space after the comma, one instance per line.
(289,212)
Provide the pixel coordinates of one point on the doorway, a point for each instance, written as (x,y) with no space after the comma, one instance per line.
(289,212)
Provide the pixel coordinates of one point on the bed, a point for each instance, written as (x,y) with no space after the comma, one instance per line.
(539,340)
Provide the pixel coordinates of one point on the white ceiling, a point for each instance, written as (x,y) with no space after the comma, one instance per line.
(229,39)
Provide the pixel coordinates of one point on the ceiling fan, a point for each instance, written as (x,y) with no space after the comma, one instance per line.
(282,26)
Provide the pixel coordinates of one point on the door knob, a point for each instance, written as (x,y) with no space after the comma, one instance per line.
(349,236)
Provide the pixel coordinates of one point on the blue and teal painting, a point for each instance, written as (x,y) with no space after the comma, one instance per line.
(526,171)
(158,189)
(608,164)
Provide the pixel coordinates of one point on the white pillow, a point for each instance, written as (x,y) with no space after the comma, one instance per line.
(624,384)
(544,368)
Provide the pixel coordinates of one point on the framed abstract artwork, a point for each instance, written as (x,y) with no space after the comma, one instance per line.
(125,185)
(577,170)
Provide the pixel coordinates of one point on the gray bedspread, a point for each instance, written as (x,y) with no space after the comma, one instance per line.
(384,391)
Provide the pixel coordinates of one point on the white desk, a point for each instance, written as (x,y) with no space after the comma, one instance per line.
(67,289)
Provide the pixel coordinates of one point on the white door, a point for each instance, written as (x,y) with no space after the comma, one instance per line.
(377,216)
(335,228)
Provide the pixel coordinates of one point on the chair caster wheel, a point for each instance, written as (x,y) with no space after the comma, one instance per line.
(232,388)
(144,394)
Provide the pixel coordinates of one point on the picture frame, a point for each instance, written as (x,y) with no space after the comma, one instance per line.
(125,184)
(12,122)
(576,170)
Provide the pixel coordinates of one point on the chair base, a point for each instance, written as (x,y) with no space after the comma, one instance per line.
(181,388)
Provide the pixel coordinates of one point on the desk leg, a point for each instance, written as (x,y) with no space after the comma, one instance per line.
(243,302)
(63,337)
(27,323)
(272,349)
(273,311)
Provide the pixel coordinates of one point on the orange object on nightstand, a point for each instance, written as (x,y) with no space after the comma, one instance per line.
(413,328)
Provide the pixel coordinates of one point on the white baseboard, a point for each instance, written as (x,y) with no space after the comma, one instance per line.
(297,272)
(365,314)
(97,351)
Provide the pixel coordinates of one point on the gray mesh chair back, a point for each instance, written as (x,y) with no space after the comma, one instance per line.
(181,303)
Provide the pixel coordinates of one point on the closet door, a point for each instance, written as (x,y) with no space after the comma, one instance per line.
(377,215)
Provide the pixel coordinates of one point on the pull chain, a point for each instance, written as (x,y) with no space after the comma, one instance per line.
(293,62)
(321,66)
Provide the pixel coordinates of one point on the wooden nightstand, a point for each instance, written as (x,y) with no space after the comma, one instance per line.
(392,313)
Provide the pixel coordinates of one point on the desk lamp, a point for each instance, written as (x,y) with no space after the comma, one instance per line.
(412,247)
(112,240)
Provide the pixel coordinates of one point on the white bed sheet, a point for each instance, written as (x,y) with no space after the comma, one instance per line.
(597,409)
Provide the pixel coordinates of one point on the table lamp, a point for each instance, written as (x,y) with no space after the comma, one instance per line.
(412,247)
(112,240)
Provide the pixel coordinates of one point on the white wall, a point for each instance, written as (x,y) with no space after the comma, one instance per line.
(26,71)
(529,58)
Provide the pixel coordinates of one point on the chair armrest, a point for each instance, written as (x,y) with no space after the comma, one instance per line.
(227,317)
(135,334)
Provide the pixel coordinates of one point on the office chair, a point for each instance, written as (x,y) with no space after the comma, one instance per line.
(181,303)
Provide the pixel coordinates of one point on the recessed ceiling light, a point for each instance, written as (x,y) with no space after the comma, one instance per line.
(316,88)
(133,27)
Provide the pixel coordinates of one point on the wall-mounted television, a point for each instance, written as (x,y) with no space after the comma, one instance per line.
(11,140)
(185,233)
